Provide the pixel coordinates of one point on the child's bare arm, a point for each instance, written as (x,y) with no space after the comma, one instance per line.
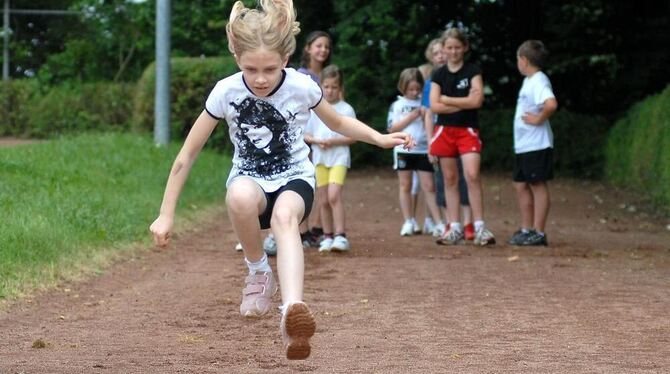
(435,103)
(341,140)
(400,124)
(161,228)
(549,107)
(475,97)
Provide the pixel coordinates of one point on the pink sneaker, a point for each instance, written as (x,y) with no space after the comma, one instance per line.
(257,294)
(297,326)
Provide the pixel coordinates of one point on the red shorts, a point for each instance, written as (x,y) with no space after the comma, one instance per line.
(450,141)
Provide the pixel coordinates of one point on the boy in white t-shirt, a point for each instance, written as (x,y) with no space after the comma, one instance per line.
(332,158)
(533,144)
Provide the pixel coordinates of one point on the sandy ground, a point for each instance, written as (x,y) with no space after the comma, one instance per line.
(597,300)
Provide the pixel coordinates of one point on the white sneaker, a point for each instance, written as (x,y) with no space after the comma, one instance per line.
(340,243)
(270,245)
(407,228)
(484,237)
(416,229)
(428,226)
(238,247)
(439,229)
(326,245)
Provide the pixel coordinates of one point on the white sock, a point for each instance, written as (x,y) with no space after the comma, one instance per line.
(479,224)
(262,266)
(456,226)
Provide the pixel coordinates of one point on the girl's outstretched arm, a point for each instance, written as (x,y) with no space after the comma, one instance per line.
(355,129)
(161,228)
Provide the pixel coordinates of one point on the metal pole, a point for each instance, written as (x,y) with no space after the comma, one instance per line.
(162,100)
(5,37)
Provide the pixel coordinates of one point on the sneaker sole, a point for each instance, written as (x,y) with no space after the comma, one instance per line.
(445,242)
(492,241)
(300,326)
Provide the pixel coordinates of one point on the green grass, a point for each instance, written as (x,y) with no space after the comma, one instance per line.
(70,205)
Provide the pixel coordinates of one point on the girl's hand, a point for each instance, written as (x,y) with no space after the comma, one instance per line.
(433,159)
(325,144)
(161,230)
(394,139)
(531,119)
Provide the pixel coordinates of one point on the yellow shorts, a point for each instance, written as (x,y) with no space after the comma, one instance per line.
(326,175)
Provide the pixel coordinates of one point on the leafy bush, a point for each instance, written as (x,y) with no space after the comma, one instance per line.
(638,149)
(16,100)
(191,81)
(70,109)
(63,109)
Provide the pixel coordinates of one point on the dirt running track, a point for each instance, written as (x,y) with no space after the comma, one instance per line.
(596,301)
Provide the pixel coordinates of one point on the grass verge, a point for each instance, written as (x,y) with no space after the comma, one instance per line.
(73,205)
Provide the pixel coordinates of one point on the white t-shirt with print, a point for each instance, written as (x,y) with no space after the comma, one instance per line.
(333,156)
(400,109)
(267,132)
(535,90)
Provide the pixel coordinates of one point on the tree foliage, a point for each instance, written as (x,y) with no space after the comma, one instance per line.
(604,55)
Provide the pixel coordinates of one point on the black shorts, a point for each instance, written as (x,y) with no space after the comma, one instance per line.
(298,186)
(412,161)
(535,166)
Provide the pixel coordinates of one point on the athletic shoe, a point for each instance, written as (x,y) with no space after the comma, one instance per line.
(439,230)
(428,226)
(518,237)
(326,245)
(310,239)
(270,245)
(469,232)
(450,237)
(340,243)
(484,237)
(238,247)
(257,294)
(407,228)
(297,326)
(416,229)
(534,238)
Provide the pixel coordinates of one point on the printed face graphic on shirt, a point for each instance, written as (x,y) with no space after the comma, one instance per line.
(258,134)
(263,137)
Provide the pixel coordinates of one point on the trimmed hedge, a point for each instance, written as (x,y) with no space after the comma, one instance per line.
(191,80)
(65,109)
(638,149)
